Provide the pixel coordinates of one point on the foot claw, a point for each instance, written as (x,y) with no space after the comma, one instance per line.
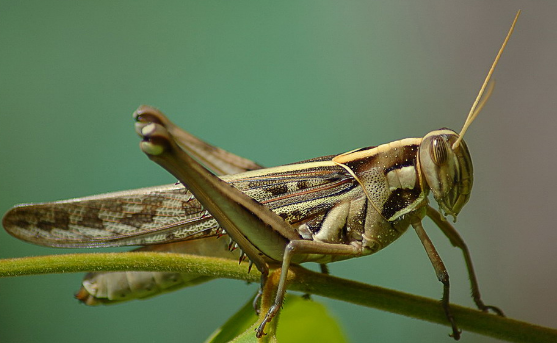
(256,300)
(456,334)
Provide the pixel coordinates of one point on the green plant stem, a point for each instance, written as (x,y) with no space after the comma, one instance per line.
(301,279)
(139,261)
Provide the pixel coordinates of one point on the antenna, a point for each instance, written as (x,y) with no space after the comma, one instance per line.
(477,105)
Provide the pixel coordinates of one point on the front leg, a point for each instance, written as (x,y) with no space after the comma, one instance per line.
(458,242)
(441,273)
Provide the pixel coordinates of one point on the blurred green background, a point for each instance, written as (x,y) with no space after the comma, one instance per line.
(279,82)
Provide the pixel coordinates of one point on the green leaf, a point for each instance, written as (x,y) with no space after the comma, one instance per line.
(301,320)
(306,320)
(238,327)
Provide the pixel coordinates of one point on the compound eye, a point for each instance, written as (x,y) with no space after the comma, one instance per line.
(439,150)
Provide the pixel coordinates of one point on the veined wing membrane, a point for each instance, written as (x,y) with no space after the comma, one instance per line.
(137,217)
(164,214)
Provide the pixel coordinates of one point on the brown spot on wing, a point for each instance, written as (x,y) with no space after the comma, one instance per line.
(60,220)
(302,184)
(138,219)
(91,218)
(277,190)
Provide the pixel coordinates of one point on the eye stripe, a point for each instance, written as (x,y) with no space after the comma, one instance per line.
(439,151)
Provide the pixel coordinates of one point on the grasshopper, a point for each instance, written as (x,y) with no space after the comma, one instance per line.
(321,210)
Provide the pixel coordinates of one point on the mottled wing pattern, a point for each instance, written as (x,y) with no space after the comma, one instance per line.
(301,191)
(155,215)
(138,217)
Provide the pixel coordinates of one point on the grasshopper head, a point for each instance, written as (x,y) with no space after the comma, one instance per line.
(447,169)
(444,159)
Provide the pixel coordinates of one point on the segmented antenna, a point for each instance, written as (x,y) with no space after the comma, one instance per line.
(477,105)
